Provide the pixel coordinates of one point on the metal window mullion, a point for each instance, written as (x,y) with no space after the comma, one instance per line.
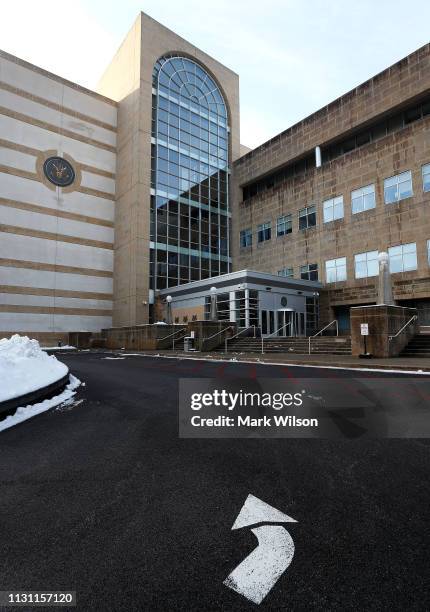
(156,185)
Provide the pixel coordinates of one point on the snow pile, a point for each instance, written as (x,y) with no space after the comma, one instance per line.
(24,367)
(27,412)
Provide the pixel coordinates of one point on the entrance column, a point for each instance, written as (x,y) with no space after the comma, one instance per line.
(246,307)
(232,305)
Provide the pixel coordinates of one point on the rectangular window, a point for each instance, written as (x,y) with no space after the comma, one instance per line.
(398,187)
(284,225)
(426,177)
(309,272)
(286,272)
(403,258)
(307,217)
(333,209)
(335,270)
(363,199)
(366,264)
(245,238)
(264,231)
(428,252)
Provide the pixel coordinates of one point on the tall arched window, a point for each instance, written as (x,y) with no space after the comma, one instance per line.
(189,175)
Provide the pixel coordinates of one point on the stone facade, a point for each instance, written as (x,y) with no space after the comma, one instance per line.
(56,244)
(386,225)
(128,80)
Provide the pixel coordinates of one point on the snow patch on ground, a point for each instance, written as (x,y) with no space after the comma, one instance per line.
(25,368)
(27,412)
(65,347)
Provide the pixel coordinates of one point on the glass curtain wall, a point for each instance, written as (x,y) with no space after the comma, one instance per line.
(189,175)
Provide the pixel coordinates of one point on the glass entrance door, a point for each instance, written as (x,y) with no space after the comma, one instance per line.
(291,322)
(285,323)
(267,322)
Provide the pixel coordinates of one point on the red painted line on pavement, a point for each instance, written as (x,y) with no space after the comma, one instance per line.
(289,374)
(197,367)
(221,370)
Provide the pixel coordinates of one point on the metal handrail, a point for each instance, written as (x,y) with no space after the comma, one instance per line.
(238,334)
(215,335)
(177,339)
(414,318)
(323,329)
(174,333)
(272,334)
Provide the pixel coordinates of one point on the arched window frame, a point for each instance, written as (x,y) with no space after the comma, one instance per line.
(181,86)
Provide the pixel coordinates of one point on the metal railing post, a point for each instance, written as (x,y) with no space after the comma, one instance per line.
(237,335)
(414,318)
(222,331)
(178,331)
(272,334)
(321,331)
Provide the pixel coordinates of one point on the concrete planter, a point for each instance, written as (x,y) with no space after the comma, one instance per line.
(55,388)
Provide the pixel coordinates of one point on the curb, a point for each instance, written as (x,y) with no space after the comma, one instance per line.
(337,365)
(274,359)
(35,396)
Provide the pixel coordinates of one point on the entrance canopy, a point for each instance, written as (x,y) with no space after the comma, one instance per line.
(249,298)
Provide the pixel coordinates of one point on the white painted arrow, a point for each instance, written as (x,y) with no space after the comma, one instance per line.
(262,568)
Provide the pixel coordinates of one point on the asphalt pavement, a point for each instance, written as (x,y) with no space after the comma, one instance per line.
(103,498)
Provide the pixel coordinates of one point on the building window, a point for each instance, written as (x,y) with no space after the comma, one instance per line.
(333,209)
(245,238)
(403,258)
(335,270)
(378,129)
(286,272)
(363,199)
(307,217)
(189,175)
(366,264)
(398,187)
(426,177)
(284,225)
(264,231)
(428,252)
(312,315)
(309,272)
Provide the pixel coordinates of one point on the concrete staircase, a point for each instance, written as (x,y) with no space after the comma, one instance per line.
(321,345)
(419,346)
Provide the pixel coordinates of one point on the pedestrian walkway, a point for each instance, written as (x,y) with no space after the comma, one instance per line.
(406,364)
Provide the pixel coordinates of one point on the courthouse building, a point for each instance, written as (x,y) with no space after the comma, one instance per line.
(112,200)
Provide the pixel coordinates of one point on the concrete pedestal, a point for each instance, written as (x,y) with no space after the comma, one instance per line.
(384,322)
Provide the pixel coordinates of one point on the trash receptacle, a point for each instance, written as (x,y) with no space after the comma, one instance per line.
(188,343)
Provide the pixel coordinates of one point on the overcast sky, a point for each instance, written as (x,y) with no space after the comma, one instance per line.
(292,56)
